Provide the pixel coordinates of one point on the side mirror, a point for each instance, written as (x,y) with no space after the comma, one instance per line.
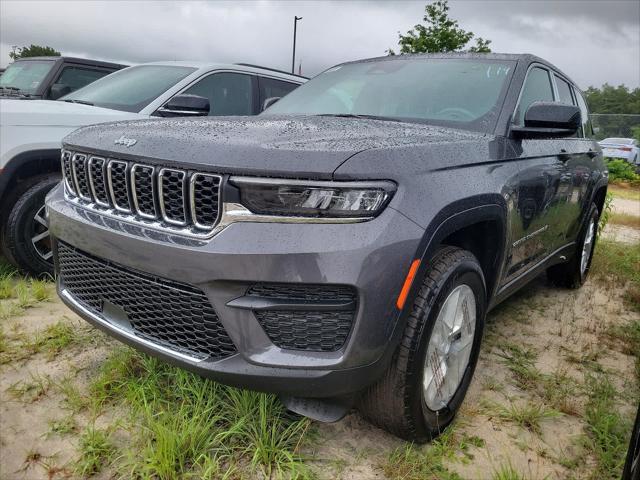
(269,101)
(185,106)
(58,90)
(548,120)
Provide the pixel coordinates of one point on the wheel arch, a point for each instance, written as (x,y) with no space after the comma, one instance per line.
(477,224)
(27,165)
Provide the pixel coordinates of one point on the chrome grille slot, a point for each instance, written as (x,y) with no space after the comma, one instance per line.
(167,199)
(143,191)
(118,185)
(67,173)
(79,172)
(204,193)
(171,193)
(97,181)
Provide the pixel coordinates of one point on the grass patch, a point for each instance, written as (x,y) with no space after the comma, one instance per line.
(624,191)
(184,426)
(626,338)
(29,391)
(520,361)
(50,341)
(559,391)
(607,431)
(506,471)
(411,462)
(96,452)
(618,261)
(62,426)
(625,219)
(526,415)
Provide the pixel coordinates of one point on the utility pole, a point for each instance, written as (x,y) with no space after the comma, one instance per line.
(293,60)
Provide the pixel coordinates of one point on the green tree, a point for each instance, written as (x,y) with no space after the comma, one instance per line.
(616,111)
(34,51)
(440,33)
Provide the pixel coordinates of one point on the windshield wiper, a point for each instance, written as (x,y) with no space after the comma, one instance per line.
(353,115)
(82,102)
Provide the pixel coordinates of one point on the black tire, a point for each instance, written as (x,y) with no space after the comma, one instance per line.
(20,229)
(570,273)
(396,402)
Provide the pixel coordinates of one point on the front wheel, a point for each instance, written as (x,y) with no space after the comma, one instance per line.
(430,373)
(26,235)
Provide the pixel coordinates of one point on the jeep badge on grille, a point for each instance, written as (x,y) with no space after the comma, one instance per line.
(127,142)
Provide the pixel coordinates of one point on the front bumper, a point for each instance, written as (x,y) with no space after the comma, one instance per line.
(372,257)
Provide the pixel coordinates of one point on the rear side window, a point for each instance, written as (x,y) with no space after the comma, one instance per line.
(564,91)
(587,129)
(228,93)
(537,88)
(270,87)
(76,77)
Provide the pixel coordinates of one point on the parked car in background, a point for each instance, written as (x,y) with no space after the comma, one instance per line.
(624,148)
(31,132)
(343,247)
(49,78)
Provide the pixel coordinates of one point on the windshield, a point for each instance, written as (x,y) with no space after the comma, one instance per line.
(25,76)
(452,92)
(131,89)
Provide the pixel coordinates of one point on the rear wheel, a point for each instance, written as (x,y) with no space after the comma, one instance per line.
(26,236)
(573,274)
(430,373)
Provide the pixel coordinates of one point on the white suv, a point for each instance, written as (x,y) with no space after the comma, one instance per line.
(31,132)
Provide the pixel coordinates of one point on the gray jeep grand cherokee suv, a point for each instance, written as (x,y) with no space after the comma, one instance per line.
(344,247)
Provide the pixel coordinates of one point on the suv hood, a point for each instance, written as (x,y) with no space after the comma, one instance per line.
(17,112)
(304,146)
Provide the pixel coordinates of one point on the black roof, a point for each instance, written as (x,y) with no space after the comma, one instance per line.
(81,61)
(525,58)
(271,69)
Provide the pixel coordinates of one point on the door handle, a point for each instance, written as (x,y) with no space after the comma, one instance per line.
(563,155)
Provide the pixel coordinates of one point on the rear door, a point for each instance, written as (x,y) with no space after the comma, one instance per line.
(78,76)
(271,87)
(544,185)
(584,156)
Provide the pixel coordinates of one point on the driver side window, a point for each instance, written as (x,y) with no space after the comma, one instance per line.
(537,88)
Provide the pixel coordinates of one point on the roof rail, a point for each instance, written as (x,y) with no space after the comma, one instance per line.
(270,69)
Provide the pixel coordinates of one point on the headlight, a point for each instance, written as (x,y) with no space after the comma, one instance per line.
(301,198)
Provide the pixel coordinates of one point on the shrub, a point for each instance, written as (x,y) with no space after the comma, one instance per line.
(620,170)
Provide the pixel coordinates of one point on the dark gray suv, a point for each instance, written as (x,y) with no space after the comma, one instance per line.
(343,248)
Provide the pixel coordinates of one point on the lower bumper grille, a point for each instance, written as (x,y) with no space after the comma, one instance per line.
(174,315)
(313,329)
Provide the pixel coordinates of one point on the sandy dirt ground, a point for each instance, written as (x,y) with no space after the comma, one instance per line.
(564,329)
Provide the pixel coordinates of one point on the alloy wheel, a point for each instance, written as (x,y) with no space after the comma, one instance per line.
(449,347)
(587,247)
(40,238)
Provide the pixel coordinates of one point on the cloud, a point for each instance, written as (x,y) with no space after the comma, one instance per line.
(593,42)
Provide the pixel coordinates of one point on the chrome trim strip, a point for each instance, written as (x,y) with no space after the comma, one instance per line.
(131,336)
(134,196)
(192,200)
(161,197)
(75,157)
(92,186)
(235,212)
(110,183)
(385,185)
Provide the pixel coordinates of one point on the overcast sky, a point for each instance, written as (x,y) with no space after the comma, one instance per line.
(592,41)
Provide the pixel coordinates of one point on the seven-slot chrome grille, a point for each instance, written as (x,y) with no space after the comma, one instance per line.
(174,199)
